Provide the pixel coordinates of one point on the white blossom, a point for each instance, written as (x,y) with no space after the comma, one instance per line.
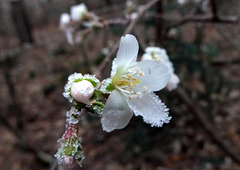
(131,89)
(64,20)
(66,27)
(160,55)
(78,12)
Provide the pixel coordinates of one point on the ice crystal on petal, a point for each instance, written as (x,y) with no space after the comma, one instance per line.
(131,86)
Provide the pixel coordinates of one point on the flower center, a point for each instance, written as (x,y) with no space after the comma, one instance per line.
(126,79)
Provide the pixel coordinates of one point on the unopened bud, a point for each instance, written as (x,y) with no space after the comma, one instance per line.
(64,20)
(78,12)
(82,91)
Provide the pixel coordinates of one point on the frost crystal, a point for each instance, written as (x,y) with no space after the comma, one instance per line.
(70,152)
(72,116)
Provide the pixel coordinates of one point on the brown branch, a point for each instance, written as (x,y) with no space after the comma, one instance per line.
(206,125)
(225,62)
(140,39)
(128,30)
(214,9)
(159,24)
(205,18)
(109,9)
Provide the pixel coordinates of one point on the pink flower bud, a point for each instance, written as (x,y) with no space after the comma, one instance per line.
(82,91)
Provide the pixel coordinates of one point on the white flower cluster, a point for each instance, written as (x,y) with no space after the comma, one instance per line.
(160,55)
(130,86)
(79,16)
(130,90)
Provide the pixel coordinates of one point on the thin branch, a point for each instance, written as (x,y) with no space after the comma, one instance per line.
(159,24)
(127,31)
(140,39)
(109,9)
(206,125)
(54,165)
(7,124)
(194,18)
(225,63)
(205,18)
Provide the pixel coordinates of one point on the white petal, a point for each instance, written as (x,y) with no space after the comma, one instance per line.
(77,12)
(147,56)
(156,76)
(64,20)
(173,82)
(116,113)
(128,50)
(151,108)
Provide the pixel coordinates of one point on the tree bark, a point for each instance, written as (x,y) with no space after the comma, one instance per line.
(21,22)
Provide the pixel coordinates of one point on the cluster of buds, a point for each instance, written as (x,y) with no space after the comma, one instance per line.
(78,19)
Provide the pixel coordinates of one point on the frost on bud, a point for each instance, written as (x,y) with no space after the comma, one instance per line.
(79,12)
(96,108)
(72,116)
(70,150)
(82,91)
(80,88)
